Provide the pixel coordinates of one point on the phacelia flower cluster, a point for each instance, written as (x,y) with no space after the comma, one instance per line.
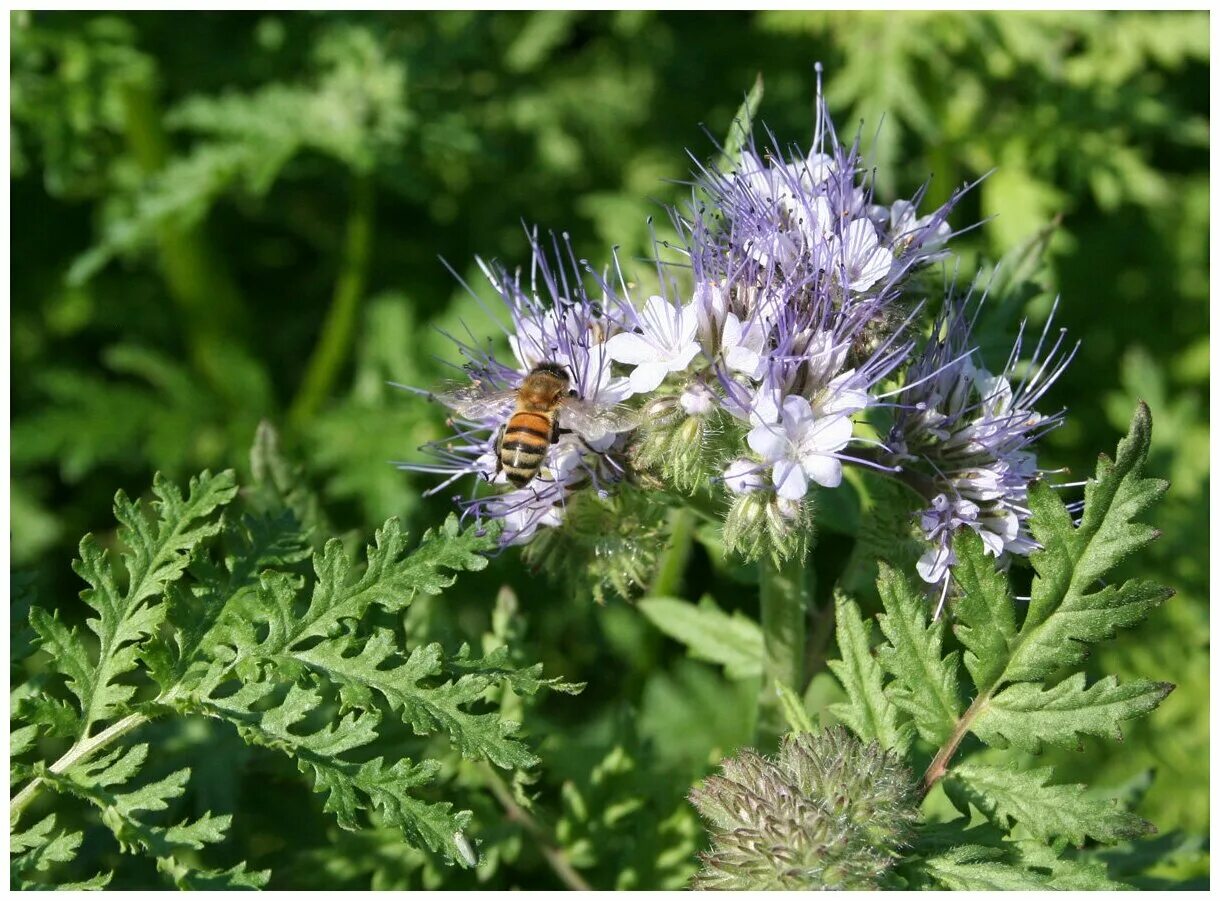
(780,344)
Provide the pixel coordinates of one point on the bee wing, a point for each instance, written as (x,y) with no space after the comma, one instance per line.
(476,400)
(596,422)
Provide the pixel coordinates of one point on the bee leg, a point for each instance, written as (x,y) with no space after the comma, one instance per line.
(499,459)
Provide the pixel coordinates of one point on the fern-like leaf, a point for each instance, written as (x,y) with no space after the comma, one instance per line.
(1048,811)
(1026,715)
(158,553)
(868,711)
(925,683)
(1067,610)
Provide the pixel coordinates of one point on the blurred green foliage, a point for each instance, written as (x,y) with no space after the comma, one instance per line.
(225,218)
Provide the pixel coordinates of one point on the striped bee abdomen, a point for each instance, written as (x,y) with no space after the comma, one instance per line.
(527,435)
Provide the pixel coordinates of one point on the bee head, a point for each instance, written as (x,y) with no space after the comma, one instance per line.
(555,369)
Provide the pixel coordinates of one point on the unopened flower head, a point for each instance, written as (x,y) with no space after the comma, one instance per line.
(828,813)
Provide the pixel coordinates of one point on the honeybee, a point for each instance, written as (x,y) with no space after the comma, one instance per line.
(544,406)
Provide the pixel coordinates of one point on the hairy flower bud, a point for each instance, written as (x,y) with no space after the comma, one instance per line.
(829,812)
(762,524)
(676,436)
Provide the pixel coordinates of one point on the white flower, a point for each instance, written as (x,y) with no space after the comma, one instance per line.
(711,302)
(860,259)
(801,447)
(935,562)
(742,345)
(697,399)
(667,343)
(524,510)
(905,227)
(744,477)
(536,341)
(774,247)
(591,367)
(815,220)
(840,397)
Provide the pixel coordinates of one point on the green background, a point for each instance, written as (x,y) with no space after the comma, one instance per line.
(223,218)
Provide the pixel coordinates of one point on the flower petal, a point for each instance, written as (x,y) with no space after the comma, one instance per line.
(789,480)
(647,376)
(630,348)
(823,469)
(768,441)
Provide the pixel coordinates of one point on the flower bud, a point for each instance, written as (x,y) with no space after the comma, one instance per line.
(829,812)
(745,476)
(697,399)
(675,435)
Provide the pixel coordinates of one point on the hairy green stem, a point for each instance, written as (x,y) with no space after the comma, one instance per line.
(82,750)
(554,856)
(821,628)
(196,278)
(672,565)
(338,330)
(784,594)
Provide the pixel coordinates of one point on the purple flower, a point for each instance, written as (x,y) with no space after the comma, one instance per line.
(967,435)
(552,319)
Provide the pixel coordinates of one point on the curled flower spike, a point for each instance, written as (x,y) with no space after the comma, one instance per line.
(967,436)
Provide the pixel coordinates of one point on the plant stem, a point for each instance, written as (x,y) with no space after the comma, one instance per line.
(196,278)
(939,767)
(554,857)
(672,565)
(80,751)
(784,594)
(336,338)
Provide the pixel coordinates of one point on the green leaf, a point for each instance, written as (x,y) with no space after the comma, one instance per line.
(1025,715)
(1069,873)
(350,786)
(1065,613)
(498,665)
(733,641)
(985,616)
(793,709)
(158,552)
(925,683)
(71,659)
(868,711)
(1047,811)
(21,740)
(122,813)
(742,127)
(388,581)
(202,880)
(973,868)
(38,847)
(425,707)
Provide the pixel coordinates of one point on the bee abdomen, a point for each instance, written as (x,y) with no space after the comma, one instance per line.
(523,446)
